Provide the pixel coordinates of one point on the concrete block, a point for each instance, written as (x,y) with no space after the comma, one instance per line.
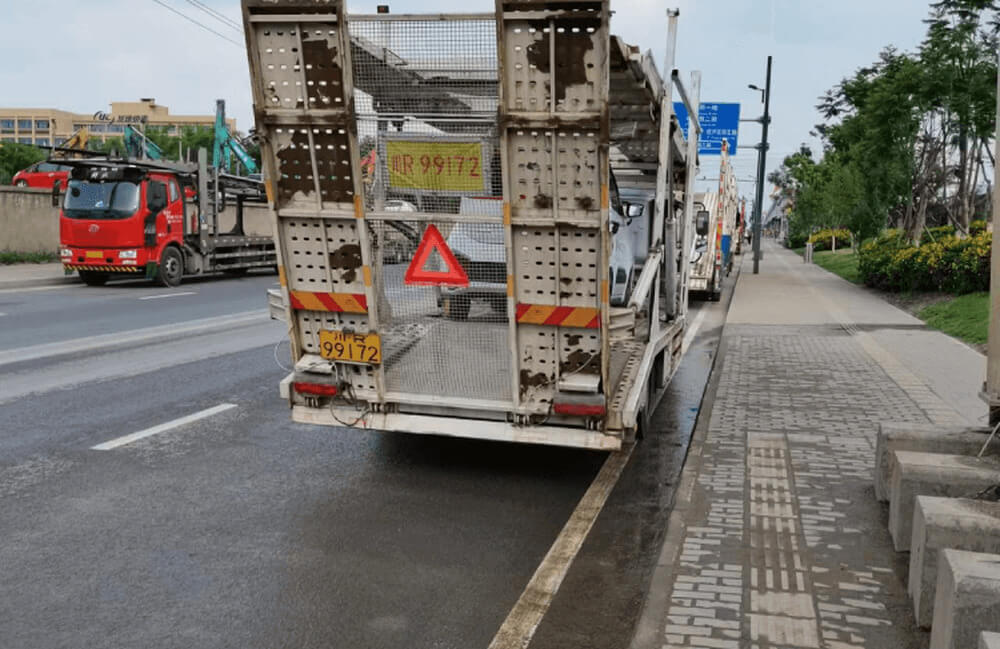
(967,600)
(929,438)
(939,523)
(932,474)
(989,640)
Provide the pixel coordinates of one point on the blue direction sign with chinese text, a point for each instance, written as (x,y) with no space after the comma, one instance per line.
(718,122)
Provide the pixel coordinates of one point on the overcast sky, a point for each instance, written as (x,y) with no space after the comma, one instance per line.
(80,56)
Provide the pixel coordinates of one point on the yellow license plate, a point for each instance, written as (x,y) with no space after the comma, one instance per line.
(350,348)
(95,254)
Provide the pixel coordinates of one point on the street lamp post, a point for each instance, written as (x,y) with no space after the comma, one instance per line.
(761,165)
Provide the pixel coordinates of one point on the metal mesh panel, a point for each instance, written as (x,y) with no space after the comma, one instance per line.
(426,97)
(441,340)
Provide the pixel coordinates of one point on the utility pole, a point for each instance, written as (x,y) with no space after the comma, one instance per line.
(761,165)
(993,351)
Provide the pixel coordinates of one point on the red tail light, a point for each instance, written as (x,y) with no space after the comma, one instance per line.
(315,389)
(578,409)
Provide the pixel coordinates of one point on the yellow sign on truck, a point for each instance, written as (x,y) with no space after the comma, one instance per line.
(435,166)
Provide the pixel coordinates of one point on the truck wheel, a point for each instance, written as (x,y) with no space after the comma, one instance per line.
(171,267)
(91,278)
(456,307)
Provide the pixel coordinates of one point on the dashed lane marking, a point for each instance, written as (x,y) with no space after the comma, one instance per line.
(170,425)
(160,297)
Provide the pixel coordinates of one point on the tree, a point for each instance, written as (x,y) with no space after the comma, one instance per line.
(959,56)
(15,157)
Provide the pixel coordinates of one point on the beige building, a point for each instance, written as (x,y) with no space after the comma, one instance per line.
(49,126)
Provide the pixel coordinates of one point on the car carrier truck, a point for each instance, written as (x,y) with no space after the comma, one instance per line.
(125,218)
(504,131)
(716,221)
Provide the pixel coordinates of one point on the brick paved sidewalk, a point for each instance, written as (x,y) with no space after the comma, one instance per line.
(776,540)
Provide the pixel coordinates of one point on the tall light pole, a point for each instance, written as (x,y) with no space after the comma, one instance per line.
(761,165)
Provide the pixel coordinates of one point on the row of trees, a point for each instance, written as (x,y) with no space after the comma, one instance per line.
(907,141)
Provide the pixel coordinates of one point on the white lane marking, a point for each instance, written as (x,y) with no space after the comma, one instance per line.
(160,297)
(693,331)
(522,621)
(32,289)
(2,315)
(128,439)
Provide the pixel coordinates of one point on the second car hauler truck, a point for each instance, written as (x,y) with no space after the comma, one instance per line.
(716,218)
(158,219)
(505,132)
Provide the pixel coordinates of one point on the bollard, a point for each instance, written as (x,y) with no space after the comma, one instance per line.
(808,256)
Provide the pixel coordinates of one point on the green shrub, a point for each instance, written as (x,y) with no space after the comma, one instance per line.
(977,226)
(946,264)
(796,240)
(823,240)
(936,234)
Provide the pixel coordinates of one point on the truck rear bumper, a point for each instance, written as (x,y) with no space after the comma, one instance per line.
(103,268)
(500,431)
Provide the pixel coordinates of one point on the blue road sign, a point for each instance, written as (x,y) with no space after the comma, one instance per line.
(718,122)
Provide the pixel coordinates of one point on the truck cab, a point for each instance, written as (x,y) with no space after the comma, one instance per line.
(121,220)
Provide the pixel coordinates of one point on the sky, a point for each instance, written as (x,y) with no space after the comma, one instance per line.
(80,56)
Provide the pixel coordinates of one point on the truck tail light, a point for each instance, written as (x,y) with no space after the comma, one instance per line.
(578,409)
(315,389)
(579,405)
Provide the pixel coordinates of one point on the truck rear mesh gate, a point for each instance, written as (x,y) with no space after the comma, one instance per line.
(382,143)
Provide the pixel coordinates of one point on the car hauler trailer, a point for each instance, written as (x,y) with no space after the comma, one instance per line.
(715,224)
(529,109)
(128,218)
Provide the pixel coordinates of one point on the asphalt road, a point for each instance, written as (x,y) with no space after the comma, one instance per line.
(245,530)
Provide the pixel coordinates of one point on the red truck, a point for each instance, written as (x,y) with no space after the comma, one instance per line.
(129,218)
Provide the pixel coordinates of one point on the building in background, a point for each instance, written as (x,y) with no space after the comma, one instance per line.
(50,126)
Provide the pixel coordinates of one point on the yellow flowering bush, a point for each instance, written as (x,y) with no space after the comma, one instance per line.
(823,240)
(946,263)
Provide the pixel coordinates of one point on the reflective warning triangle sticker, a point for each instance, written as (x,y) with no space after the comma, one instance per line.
(417,275)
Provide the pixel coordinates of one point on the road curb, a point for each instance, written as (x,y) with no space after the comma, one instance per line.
(68,280)
(126,339)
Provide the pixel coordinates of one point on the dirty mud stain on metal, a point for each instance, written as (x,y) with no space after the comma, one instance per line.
(570,52)
(347,258)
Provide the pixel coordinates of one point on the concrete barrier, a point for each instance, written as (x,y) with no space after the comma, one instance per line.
(939,523)
(928,438)
(968,599)
(29,223)
(989,640)
(932,474)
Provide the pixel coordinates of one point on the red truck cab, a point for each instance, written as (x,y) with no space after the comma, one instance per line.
(122,220)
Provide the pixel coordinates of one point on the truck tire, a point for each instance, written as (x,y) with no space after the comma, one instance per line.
(171,268)
(456,307)
(92,278)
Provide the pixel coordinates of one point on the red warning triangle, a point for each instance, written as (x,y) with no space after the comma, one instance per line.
(417,275)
